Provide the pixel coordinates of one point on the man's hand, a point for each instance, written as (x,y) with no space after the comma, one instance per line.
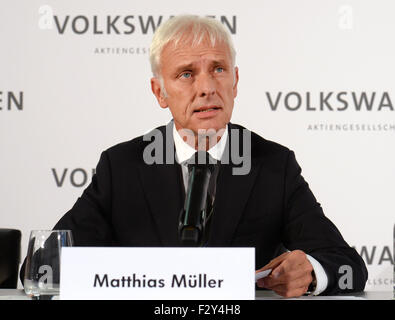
(290,276)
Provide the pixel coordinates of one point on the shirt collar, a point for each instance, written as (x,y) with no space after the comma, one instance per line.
(184,151)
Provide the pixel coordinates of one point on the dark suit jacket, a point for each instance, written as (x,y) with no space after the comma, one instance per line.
(130,203)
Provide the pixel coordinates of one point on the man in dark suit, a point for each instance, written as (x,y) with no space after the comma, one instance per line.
(138,191)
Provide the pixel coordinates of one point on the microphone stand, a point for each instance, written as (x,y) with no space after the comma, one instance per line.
(193,216)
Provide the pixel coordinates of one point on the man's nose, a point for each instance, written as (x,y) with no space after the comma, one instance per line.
(205,85)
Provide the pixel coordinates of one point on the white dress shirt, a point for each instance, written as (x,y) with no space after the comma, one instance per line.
(184,152)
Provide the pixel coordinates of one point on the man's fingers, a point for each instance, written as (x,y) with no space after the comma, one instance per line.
(261,284)
(303,281)
(290,276)
(287,271)
(274,263)
(281,269)
(293,257)
(285,277)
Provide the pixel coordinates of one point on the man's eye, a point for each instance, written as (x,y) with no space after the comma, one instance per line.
(219,69)
(186,75)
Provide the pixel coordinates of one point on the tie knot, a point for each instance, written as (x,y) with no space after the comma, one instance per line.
(200,159)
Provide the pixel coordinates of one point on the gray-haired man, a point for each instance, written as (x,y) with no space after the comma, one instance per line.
(134,203)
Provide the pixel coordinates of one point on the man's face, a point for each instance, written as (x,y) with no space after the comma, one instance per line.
(200,83)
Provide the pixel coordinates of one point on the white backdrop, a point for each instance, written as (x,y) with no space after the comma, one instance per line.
(316,76)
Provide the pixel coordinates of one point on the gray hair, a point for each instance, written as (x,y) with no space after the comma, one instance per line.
(189,28)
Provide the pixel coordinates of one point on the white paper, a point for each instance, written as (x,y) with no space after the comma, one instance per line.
(262,274)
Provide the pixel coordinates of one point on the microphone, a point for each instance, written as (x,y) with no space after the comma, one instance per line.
(193,216)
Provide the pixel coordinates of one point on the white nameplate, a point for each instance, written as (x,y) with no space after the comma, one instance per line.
(157,273)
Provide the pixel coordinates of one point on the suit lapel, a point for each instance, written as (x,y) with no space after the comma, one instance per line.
(232,194)
(162,185)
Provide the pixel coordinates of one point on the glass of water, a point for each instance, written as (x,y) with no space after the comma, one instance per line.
(42,270)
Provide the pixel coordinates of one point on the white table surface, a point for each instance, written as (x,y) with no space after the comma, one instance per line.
(18,294)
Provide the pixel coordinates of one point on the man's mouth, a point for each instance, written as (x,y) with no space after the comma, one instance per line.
(207,109)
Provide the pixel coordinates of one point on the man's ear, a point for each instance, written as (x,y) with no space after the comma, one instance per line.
(158,92)
(235,82)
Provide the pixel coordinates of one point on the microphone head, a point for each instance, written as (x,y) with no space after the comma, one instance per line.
(190,236)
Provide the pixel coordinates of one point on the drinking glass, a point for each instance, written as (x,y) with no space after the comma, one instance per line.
(42,270)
